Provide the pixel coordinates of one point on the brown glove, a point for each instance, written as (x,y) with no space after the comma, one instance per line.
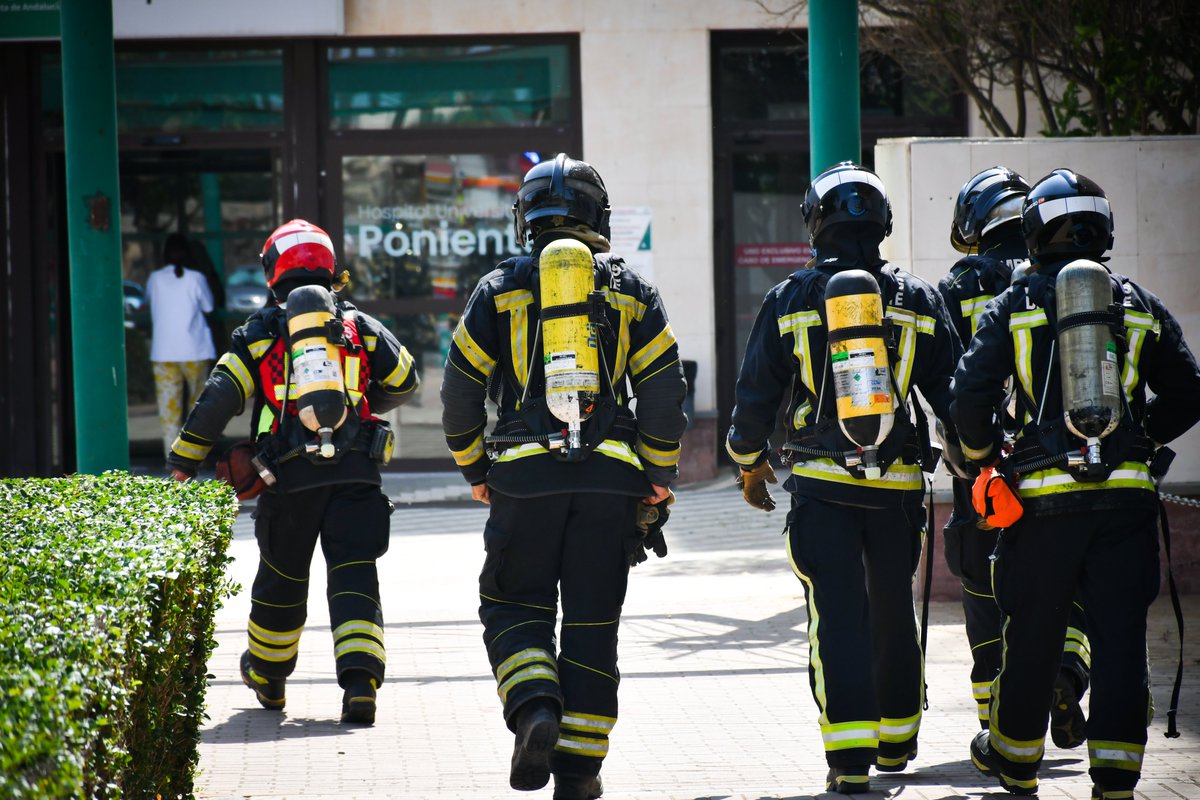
(753,483)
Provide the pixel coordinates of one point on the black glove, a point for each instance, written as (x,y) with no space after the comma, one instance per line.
(651,517)
(753,483)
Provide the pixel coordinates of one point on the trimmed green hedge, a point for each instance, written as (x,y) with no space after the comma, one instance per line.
(108,590)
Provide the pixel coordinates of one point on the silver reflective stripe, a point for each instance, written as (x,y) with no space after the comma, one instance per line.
(1067,205)
(833,179)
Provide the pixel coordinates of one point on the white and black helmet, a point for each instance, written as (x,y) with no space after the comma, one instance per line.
(990,198)
(566,188)
(1066,215)
(846,192)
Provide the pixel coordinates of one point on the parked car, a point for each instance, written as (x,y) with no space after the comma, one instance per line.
(135,304)
(245,290)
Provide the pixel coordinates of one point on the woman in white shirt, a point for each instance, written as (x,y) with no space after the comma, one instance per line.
(181,348)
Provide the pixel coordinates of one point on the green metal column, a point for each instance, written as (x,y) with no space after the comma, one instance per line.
(834,115)
(94,231)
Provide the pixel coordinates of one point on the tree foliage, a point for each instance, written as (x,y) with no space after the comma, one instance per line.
(1102,67)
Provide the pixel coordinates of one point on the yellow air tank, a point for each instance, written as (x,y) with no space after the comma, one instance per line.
(316,363)
(569,345)
(858,354)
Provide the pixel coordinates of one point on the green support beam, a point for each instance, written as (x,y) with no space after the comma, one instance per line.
(94,232)
(835,131)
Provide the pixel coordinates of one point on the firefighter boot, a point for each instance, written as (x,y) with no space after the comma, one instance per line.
(848,780)
(358,700)
(1100,793)
(987,762)
(269,691)
(535,736)
(1067,722)
(577,787)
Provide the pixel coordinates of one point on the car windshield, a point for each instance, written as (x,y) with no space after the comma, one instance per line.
(247,276)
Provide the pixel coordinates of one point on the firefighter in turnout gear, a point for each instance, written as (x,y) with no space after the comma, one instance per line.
(562,341)
(316,373)
(844,341)
(987,228)
(1086,347)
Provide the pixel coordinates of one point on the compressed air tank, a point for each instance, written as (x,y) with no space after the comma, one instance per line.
(859,358)
(1087,352)
(316,363)
(569,346)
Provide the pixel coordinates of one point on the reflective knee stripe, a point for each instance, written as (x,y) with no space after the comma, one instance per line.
(1077,643)
(849,735)
(532,663)
(1018,751)
(359,636)
(899,730)
(983,695)
(584,734)
(1116,755)
(273,645)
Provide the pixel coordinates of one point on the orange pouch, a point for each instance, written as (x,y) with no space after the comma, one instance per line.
(995,500)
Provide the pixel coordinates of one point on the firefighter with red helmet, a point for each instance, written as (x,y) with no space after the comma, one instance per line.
(317,373)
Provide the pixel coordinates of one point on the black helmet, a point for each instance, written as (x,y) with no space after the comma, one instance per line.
(846,192)
(564,188)
(990,198)
(1066,214)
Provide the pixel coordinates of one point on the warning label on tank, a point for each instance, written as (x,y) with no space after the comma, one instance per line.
(1108,375)
(863,386)
(575,380)
(559,362)
(312,365)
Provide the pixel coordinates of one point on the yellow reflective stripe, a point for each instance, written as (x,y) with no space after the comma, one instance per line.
(981,691)
(848,735)
(356,645)
(273,637)
(532,673)
(521,451)
(972,309)
(899,730)
(358,626)
(911,324)
(815,659)
(469,454)
(517,303)
(1129,374)
(1022,751)
(626,304)
(582,746)
(1034,318)
(268,653)
(523,657)
(620,451)
(801,412)
(473,352)
(972,453)
(1023,352)
(293,393)
(239,371)
(194,452)
(656,347)
(353,366)
(370,342)
(1116,755)
(739,458)
(587,723)
(399,375)
(902,477)
(1129,475)
(630,309)
(797,325)
(260,347)
(1142,320)
(656,456)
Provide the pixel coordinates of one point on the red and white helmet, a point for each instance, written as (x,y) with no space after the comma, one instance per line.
(297,247)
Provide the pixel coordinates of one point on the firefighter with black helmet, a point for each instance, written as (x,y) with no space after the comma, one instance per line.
(1086,346)
(317,373)
(845,341)
(562,341)
(986,228)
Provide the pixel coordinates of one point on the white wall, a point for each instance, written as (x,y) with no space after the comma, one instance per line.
(647,120)
(1153,186)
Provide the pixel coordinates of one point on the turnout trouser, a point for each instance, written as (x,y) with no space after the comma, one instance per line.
(1110,558)
(865,661)
(968,555)
(579,544)
(351,521)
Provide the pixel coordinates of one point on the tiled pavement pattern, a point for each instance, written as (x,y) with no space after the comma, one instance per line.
(714,696)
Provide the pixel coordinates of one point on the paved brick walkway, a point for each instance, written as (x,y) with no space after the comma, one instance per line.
(715,700)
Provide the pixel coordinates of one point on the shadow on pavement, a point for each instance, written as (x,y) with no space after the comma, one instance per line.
(260,725)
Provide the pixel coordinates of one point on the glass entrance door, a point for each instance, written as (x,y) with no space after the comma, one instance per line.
(226,203)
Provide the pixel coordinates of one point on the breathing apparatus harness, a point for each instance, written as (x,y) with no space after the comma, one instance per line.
(532,422)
